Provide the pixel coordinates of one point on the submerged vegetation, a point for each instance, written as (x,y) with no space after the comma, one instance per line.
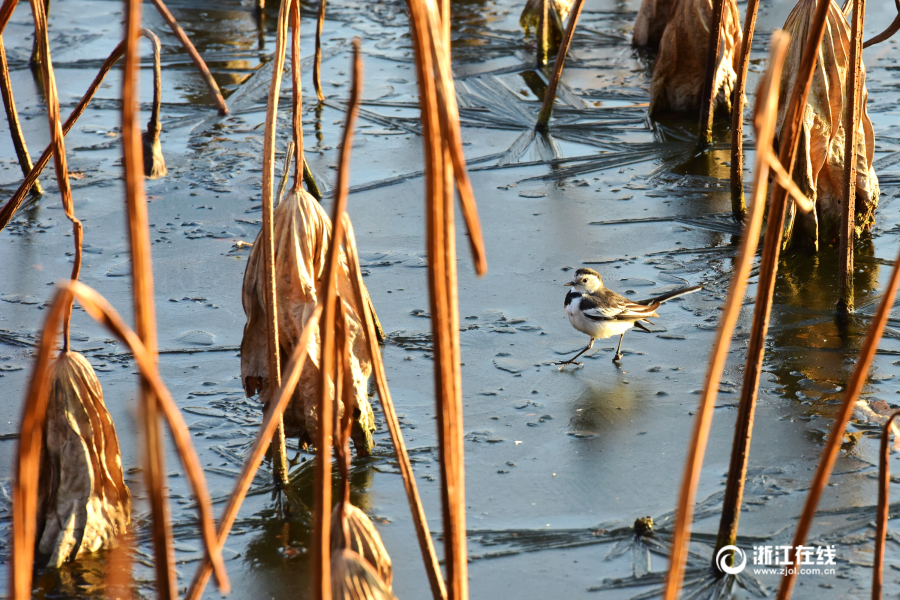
(629,105)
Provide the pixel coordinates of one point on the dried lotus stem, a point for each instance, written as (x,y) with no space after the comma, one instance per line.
(708,95)
(13,204)
(737,114)
(272,418)
(311,184)
(195,56)
(893,28)
(6,11)
(550,94)
(145,313)
(297,95)
(317,61)
(883,512)
(766,114)
(426,545)
(31,437)
(57,141)
(764,122)
(836,436)
(280,464)
(12,117)
(322,529)
(851,116)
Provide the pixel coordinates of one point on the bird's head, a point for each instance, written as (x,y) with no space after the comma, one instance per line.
(586,281)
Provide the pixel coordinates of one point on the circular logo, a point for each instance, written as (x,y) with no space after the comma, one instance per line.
(735,567)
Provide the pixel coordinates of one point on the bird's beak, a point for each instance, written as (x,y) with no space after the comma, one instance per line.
(570,284)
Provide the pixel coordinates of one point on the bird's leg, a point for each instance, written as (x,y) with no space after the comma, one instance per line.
(618,355)
(563,363)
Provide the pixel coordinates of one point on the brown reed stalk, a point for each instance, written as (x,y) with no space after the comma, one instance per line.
(852,113)
(322,528)
(31,436)
(271,419)
(317,61)
(764,121)
(738,209)
(882,514)
(543,34)
(429,556)
(6,12)
(708,95)
(192,52)
(12,117)
(12,205)
(448,120)
(57,141)
(836,436)
(280,464)
(145,313)
(543,122)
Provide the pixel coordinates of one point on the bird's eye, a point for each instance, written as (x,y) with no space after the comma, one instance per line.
(584,281)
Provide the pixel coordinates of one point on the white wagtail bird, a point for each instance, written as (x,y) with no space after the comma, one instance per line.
(598,311)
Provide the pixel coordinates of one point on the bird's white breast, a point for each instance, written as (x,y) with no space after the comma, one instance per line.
(596,329)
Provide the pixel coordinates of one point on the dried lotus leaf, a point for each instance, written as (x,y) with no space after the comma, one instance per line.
(819,166)
(83,502)
(154,161)
(364,539)
(678,75)
(651,22)
(302,232)
(353,578)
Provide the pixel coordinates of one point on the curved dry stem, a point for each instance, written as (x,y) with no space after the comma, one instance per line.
(258,452)
(25,489)
(153,125)
(317,63)
(12,117)
(322,527)
(57,142)
(423,533)
(881,515)
(297,96)
(893,28)
(708,93)
(12,205)
(448,118)
(6,11)
(767,106)
(195,56)
(737,114)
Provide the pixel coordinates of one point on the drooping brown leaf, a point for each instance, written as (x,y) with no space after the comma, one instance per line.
(677,82)
(302,235)
(353,578)
(652,18)
(364,540)
(820,158)
(83,502)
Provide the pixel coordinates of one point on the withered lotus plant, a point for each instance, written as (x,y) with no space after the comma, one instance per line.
(302,235)
(353,578)
(83,502)
(677,82)
(557,11)
(818,171)
(154,162)
(652,18)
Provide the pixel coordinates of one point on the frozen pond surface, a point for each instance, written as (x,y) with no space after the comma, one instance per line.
(555,462)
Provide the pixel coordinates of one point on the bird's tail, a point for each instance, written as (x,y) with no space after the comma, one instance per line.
(670,295)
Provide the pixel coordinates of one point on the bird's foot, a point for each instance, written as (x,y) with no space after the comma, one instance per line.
(565,363)
(617,357)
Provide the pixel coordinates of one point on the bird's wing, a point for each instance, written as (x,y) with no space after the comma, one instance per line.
(607,305)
